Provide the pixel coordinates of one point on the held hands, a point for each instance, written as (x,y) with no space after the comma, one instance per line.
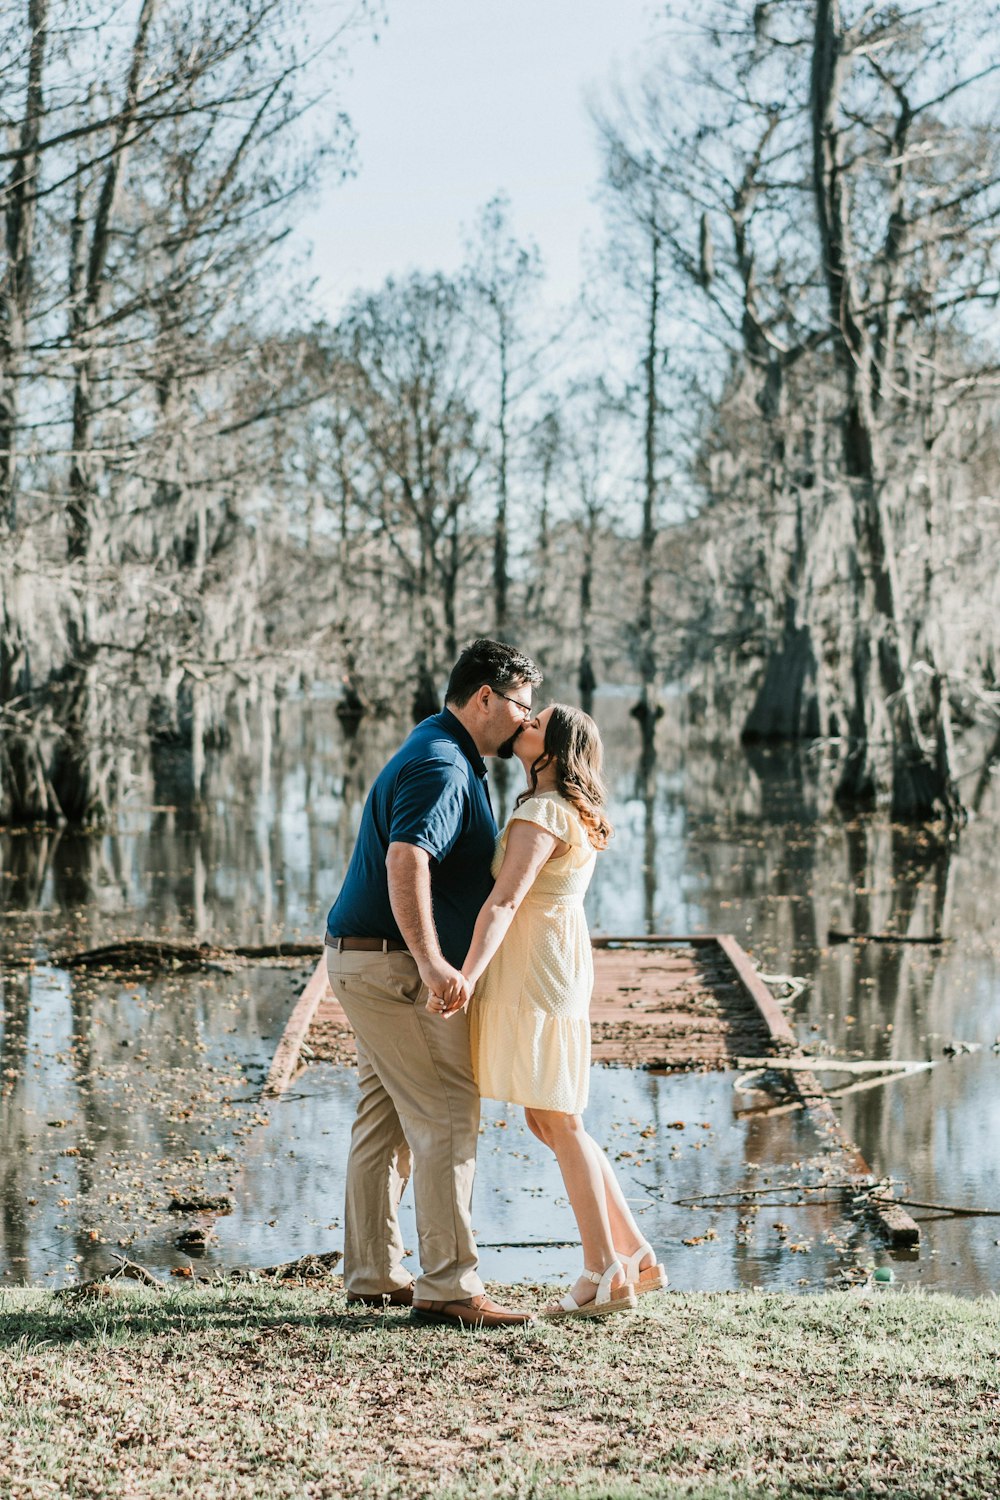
(450,991)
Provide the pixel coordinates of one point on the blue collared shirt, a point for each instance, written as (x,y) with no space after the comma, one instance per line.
(433,793)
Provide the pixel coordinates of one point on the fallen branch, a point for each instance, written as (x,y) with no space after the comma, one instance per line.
(739,1203)
(781,1187)
(788,1105)
(835,936)
(944,1208)
(305,1268)
(793,985)
(125,1270)
(832,1065)
(134,1272)
(143,953)
(526,1244)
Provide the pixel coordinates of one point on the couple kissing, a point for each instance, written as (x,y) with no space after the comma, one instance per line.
(463,963)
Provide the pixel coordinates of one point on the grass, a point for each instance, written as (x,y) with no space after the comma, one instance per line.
(270,1392)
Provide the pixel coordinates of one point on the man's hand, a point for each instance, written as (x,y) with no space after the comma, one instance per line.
(456,996)
(449,993)
(408,874)
(449,988)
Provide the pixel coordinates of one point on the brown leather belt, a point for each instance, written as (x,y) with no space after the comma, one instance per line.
(365,944)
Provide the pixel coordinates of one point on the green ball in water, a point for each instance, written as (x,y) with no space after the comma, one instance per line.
(884,1274)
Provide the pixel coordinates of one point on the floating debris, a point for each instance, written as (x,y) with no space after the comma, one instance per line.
(306,1268)
(195,1240)
(140,954)
(934,939)
(215,1205)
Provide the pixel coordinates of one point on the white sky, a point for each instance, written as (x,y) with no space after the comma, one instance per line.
(461,99)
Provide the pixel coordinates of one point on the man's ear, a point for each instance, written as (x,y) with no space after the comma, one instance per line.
(483,696)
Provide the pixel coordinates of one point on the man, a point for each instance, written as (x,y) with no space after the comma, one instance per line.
(398,931)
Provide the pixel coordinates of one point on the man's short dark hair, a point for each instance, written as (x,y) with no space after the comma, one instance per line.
(490,663)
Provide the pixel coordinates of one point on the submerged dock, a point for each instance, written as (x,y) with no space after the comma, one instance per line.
(667,1003)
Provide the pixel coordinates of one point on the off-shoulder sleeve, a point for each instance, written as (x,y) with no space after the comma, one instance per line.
(553,815)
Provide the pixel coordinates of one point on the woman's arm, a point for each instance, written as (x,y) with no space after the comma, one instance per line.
(529,847)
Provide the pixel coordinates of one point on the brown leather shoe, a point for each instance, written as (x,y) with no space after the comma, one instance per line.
(400,1296)
(470,1312)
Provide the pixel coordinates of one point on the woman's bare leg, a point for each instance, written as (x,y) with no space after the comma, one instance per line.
(579,1160)
(535,1126)
(625,1233)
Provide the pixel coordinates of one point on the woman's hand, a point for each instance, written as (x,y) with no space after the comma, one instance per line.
(454,996)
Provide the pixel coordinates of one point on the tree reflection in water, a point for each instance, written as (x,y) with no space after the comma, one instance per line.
(15,996)
(706,840)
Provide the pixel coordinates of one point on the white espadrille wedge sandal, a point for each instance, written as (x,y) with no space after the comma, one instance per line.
(652,1279)
(604,1302)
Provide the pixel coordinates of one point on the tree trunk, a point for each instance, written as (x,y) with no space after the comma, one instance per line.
(646,790)
(538,584)
(25,796)
(77,762)
(586,680)
(887,763)
(647,710)
(25,793)
(500,536)
(19,229)
(84,762)
(453,546)
(787,703)
(426,700)
(89,275)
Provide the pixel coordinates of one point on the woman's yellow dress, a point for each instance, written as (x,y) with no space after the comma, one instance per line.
(530,1015)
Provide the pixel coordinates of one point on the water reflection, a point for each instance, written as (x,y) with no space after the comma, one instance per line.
(704,841)
(13,1142)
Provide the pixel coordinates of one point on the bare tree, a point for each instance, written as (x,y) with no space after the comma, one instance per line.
(414,365)
(502,276)
(839,231)
(878,84)
(639,231)
(149,190)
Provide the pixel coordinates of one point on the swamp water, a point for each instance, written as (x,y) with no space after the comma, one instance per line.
(116,1094)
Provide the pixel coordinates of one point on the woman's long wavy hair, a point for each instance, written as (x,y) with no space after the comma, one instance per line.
(573,741)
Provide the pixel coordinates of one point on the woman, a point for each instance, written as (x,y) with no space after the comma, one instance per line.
(531,964)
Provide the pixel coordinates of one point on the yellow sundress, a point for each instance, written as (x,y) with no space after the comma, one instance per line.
(530,1015)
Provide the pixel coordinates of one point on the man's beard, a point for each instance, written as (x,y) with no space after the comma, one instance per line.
(506,750)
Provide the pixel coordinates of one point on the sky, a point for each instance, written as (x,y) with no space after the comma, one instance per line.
(459,100)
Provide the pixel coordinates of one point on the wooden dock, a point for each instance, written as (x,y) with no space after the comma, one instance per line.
(667,1003)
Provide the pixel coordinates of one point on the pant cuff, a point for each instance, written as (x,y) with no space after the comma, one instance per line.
(438,1289)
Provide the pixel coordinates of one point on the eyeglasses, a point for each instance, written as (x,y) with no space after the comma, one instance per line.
(523,708)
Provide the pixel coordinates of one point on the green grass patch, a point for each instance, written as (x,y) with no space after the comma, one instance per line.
(269,1392)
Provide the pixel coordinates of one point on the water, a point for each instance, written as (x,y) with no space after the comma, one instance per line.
(115,1094)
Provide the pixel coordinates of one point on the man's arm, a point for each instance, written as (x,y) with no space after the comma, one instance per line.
(408,869)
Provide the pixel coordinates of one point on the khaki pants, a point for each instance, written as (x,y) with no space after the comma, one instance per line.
(419,1103)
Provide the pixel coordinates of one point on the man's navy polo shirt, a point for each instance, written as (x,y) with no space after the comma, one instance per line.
(433,793)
